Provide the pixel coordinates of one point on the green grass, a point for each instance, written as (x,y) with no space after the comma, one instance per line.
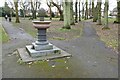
(46,67)
(26,25)
(57,38)
(47,18)
(3,35)
(110,20)
(1,19)
(64,30)
(56,30)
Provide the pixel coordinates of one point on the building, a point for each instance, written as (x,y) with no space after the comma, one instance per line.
(114,12)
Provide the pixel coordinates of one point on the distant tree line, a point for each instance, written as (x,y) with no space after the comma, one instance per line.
(65,9)
(6,10)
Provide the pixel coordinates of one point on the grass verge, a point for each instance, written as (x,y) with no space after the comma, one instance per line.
(109,36)
(4,37)
(55,32)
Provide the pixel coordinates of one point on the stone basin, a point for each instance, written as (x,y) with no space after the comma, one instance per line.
(41,24)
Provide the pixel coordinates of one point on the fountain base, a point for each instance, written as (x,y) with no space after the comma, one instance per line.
(42,50)
(42,47)
(28,54)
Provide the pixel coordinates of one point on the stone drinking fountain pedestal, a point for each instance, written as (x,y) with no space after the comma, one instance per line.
(41,49)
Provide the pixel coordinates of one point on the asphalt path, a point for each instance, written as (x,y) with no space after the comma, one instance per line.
(90,57)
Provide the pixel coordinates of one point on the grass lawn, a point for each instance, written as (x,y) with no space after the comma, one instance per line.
(3,35)
(110,20)
(54,32)
(47,66)
(109,36)
(25,24)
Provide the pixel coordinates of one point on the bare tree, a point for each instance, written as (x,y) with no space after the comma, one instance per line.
(118,8)
(16,10)
(90,9)
(93,8)
(86,11)
(99,11)
(12,7)
(24,4)
(59,9)
(76,14)
(35,5)
(83,10)
(79,11)
(72,14)
(66,7)
(49,5)
(106,15)
(95,14)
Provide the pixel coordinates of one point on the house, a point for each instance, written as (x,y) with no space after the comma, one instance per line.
(114,12)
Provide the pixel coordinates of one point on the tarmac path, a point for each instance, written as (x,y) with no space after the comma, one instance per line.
(88,50)
(90,57)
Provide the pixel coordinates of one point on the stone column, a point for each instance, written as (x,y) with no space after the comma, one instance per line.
(41,37)
(41,43)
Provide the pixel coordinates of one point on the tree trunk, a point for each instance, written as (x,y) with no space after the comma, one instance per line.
(61,16)
(24,13)
(86,11)
(76,15)
(90,9)
(79,12)
(93,8)
(16,9)
(99,12)
(67,14)
(118,14)
(71,14)
(59,9)
(106,14)
(49,5)
(95,14)
(34,14)
(104,11)
(33,11)
(82,11)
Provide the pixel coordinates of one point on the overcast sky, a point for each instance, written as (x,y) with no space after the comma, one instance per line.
(112,4)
